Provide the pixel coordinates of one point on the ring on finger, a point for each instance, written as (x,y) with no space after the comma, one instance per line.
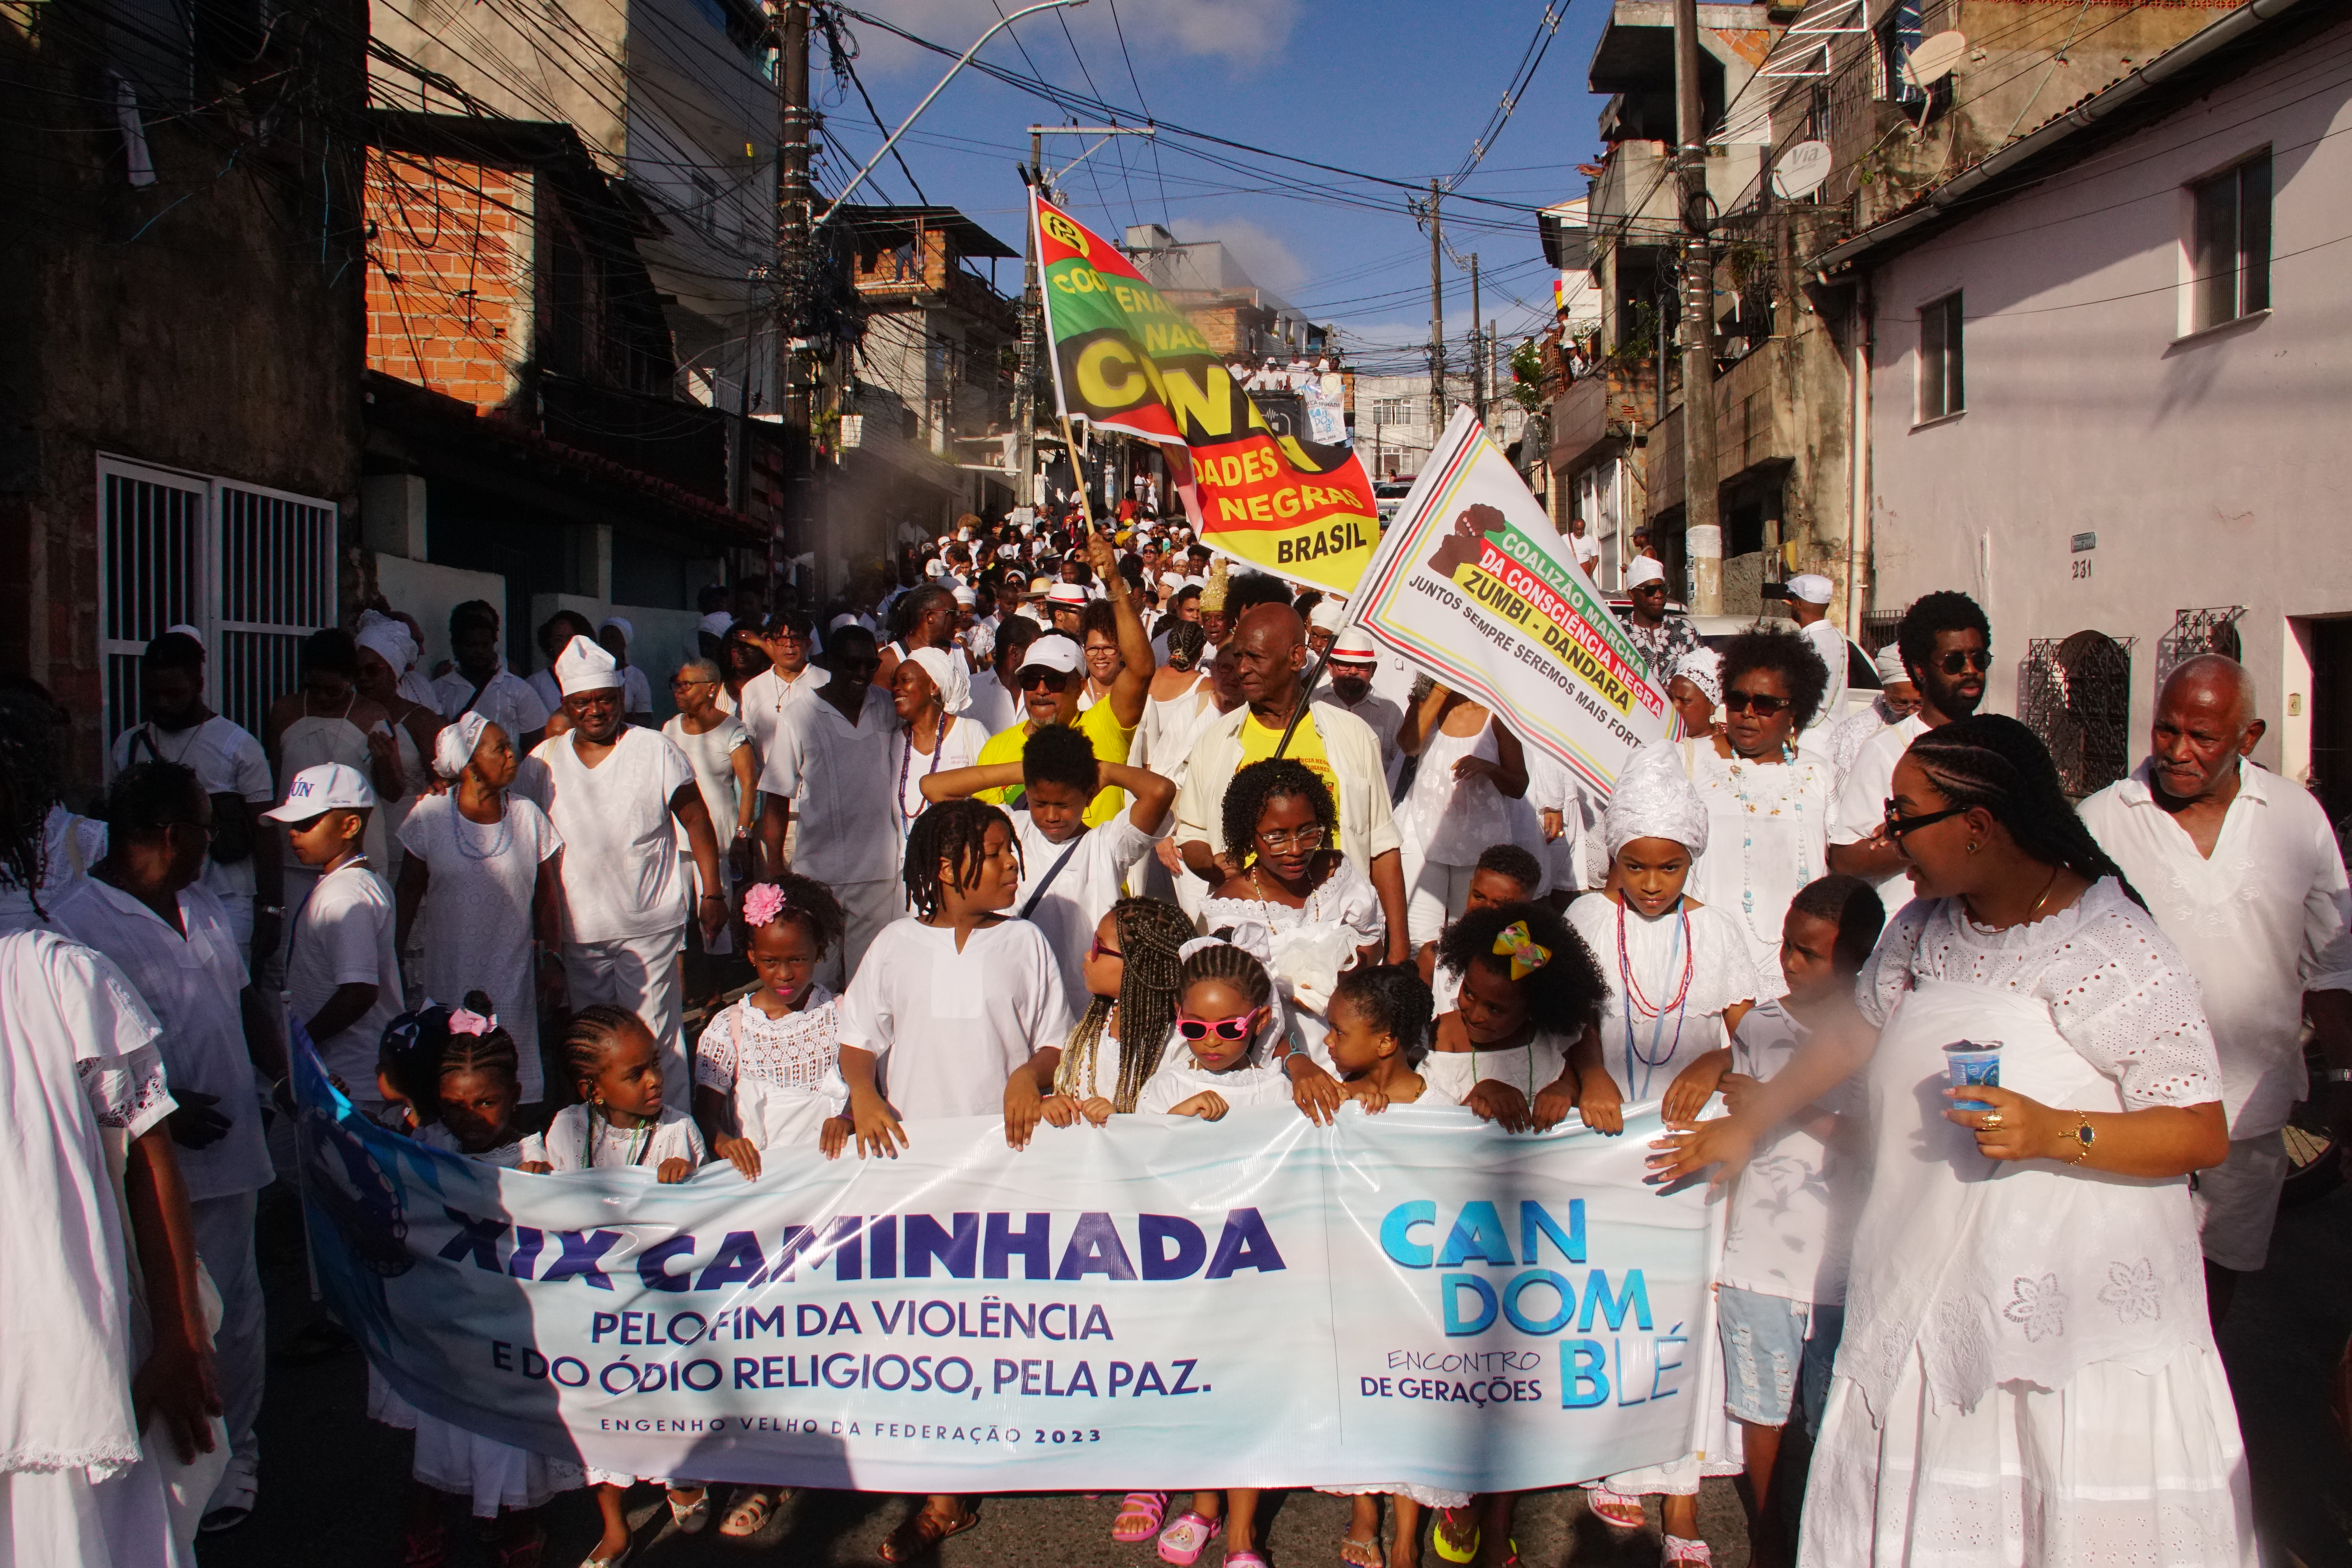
(1991,1124)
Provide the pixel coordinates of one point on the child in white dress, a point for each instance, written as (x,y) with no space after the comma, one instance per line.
(1525,991)
(616,1067)
(767,1071)
(479,1091)
(1679,978)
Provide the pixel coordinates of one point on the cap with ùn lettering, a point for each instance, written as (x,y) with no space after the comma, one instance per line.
(1052,652)
(327,786)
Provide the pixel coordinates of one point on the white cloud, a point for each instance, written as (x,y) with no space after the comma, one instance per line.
(1262,253)
(1244,34)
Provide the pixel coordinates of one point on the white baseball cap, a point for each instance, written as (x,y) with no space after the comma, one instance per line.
(327,786)
(1812,587)
(1643,571)
(1052,651)
(1354,645)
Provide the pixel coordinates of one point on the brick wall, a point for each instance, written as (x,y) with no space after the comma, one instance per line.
(449,281)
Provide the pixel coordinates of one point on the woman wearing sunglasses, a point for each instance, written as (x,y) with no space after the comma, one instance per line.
(1767,803)
(2028,1367)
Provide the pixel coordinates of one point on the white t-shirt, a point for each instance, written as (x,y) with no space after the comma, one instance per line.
(227,760)
(506,701)
(768,696)
(959,747)
(636,692)
(344,936)
(1791,1226)
(711,755)
(992,707)
(1861,797)
(1180,1076)
(949,1028)
(621,844)
(1830,643)
(1084,890)
(839,776)
(577,1141)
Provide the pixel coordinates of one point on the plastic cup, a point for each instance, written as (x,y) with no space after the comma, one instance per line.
(1970,1062)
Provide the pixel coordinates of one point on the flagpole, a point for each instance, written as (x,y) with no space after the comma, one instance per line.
(1078,475)
(1306,692)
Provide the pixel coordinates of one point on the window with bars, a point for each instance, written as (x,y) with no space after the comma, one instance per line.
(2229,247)
(252,569)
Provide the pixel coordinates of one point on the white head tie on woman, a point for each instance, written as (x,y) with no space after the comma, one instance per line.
(454,747)
(947,673)
(1654,799)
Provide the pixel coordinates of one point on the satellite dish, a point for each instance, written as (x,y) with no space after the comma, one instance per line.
(1935,60)
(1799,171)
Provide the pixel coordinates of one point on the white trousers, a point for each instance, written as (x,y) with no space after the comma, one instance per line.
(223,1237)
(2237,1203)
(640,973)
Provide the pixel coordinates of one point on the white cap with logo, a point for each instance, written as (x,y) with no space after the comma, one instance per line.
(1052,651)
(327,786)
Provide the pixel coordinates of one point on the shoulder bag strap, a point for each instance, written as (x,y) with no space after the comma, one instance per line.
(1038,892)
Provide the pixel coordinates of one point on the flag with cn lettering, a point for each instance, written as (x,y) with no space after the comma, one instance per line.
(1126,359)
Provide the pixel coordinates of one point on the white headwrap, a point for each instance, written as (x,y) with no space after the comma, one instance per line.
(583,666)
(1702,667)
(948,674)
(388,640)
(1654,799)
(620,624)
(1891,667)
(454,747)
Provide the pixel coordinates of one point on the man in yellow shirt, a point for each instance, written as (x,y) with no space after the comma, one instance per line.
(1052,678)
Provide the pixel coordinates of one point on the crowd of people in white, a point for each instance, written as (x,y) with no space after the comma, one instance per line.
(1068,825)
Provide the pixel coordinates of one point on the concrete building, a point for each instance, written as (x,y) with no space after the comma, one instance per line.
(2104,393)
(180,411)
(1204,280)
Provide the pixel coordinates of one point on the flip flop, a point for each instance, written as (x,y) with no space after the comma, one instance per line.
(1187,1536)
(1150,1507)
(1617,1510)
(920,1535)
(691,1516)
(1443,1539)
(1368,1553)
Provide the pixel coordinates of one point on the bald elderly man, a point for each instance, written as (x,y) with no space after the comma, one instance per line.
(2242,872)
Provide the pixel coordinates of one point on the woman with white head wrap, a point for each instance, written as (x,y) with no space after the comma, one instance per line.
(387,655)
(1679,979)
(1696,689)
(478,882)
(930,688)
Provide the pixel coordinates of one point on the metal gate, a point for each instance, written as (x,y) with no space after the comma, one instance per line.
(252,569)
(2076,695)
(2194,632)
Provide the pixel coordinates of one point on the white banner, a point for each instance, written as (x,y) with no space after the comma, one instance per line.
(1473,584)
(1164,1303)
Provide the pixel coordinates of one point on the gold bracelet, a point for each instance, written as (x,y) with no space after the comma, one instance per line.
(2083,1135)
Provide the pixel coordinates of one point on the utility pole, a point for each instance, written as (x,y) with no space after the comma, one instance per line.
(1702,529)
(1025,395)
(1478,382)
(1436,321)
(793,279)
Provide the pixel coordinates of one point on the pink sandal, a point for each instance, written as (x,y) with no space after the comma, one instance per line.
(1187,1536)
(1148,1507)
(1617,1510)
(1243,1560)
(1682,1553)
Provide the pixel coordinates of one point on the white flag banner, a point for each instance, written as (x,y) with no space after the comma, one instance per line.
(1473,584)
(1159,1304)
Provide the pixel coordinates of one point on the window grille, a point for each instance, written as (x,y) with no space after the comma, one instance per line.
(2194,632)
(1878,629)
(2075,693)
(253,570)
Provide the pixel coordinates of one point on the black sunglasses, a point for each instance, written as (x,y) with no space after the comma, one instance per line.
(1897,825)
(1737,702)
(1054,680)
(1976,659)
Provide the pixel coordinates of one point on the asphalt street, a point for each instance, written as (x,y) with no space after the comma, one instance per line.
(334,1485)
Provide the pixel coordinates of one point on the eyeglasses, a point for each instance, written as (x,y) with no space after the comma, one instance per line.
(1737,701)
(1897,825)
(1096,949)
(1976,659)
(1223,1028)
(1054,680)
(1294,838)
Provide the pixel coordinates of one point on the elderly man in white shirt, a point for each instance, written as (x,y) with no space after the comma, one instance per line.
(618,795)
(2242,872)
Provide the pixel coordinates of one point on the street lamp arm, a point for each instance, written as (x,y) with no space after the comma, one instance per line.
(966,60)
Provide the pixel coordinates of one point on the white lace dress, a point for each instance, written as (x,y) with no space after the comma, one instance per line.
(1313,945)
(782,1074)
(2028,1375)
(1767,837)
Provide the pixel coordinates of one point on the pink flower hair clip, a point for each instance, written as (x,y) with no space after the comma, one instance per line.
(465,1021)
(762,903)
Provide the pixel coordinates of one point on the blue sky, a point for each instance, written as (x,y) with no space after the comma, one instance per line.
(1381,85)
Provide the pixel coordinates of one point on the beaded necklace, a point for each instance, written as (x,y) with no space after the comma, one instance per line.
(637,1146)
(1748,810)
(907,758)
(1633,999)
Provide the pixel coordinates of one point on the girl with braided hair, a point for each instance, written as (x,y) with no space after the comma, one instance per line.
(1285,871)
(2028,1365)
(480,1091)
(1132,972)
(948,1002)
